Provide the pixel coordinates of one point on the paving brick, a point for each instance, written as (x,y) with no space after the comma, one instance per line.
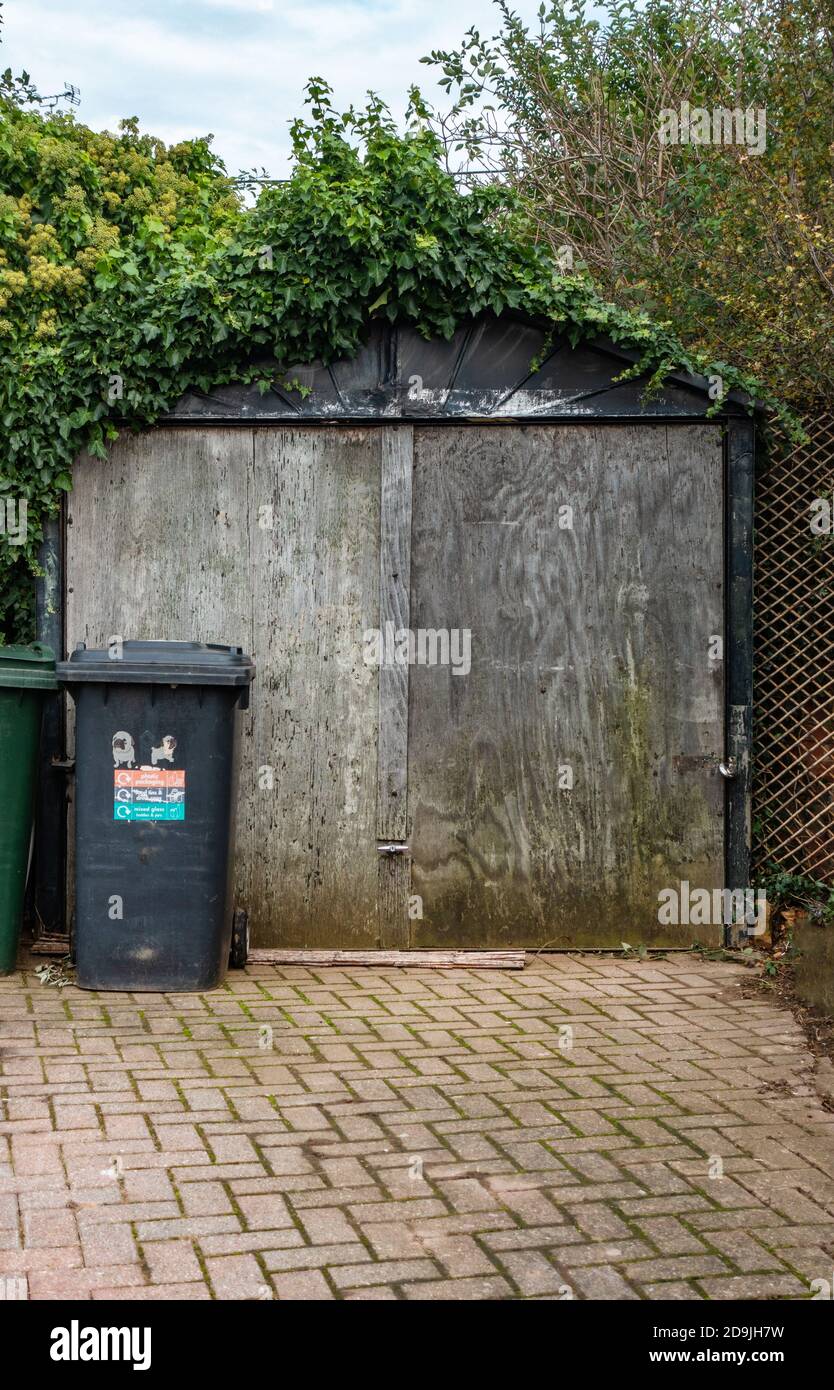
(755,1286)
(48,1229)
(746,1252)
(236,1276)
(572,1253)
(20,1261)
(108,1243)
(604,1284)
(443,1290)
(598,1220)
(163,1293)
(79,1283)
(328,1227)
(242,1242)
(204,1199)
(382,1272)
(264,1213)
(151,1185)
(458,1254)
(676,1267)
(174,1137)
(171,1261)
(533,1272)
(377,1294)
(670,1236)
(308,1285)
(673,1290)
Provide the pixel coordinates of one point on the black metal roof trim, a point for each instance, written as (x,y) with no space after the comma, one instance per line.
(482,372)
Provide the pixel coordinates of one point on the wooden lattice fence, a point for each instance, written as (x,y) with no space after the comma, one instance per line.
(793,780)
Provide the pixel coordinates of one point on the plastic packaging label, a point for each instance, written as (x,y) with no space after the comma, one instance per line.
(148,794)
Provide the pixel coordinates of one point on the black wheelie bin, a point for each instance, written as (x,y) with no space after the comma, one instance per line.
(155,790)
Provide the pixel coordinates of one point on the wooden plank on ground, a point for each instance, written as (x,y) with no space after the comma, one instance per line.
(420,960)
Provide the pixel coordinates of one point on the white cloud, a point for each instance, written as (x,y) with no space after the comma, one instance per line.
(248,6)
(233,67)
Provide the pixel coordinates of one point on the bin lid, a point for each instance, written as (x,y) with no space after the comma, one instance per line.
(28,668)
(159,663)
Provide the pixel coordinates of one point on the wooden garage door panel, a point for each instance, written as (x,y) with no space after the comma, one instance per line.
(157,547)
(313,871)
(590,649)
(173,538)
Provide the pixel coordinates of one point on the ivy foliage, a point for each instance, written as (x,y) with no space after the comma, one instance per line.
(785,889)
(130,271)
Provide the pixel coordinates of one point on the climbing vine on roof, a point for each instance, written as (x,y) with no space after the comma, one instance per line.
(130,271)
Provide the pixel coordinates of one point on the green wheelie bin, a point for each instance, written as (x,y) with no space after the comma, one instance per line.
(27,674)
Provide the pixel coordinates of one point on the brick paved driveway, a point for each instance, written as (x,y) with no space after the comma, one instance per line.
(595,1128)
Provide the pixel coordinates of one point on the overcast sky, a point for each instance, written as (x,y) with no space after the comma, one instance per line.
(232,67)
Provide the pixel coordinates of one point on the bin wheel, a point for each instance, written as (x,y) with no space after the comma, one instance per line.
(240,939)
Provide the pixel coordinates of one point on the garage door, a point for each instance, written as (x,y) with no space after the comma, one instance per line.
(489,701)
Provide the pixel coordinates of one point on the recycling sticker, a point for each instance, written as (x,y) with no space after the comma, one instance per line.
(148,794)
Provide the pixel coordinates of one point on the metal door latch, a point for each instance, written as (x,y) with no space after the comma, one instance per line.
(392,847)
(699,762)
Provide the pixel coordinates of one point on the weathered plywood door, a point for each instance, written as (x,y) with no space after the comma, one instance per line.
(313,873)
(267,538)
(158,546)
(571,774)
